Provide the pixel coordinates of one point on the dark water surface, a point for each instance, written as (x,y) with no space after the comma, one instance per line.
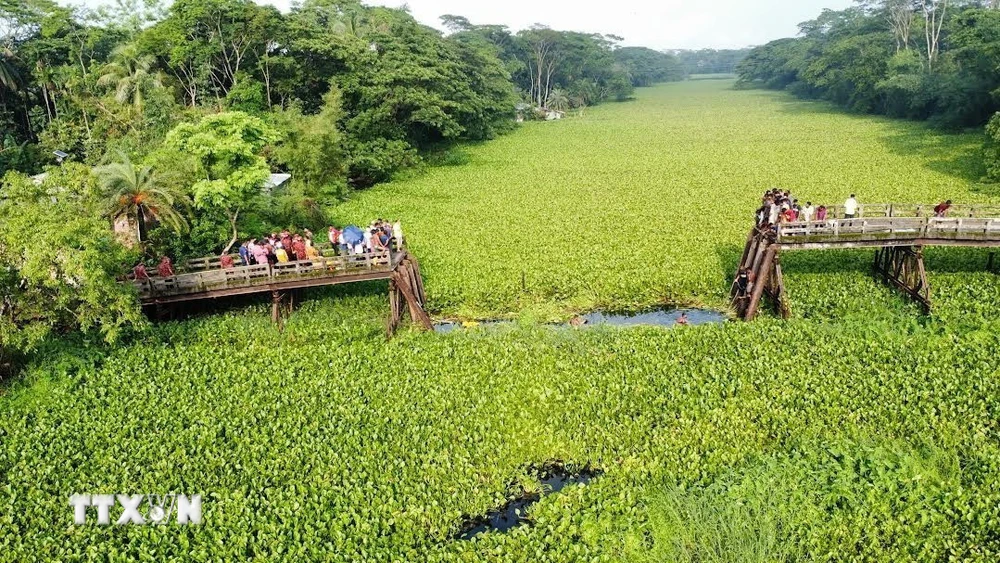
(512,514)
(665,317)
(656,317)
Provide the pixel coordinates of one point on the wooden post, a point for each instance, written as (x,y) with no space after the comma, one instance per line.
(407,284)
(760,283)
(780,299)
(276,308)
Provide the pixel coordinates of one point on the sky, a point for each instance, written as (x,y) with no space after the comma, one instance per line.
(658,24)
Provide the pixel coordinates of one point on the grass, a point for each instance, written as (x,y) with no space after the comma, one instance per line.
(856,432)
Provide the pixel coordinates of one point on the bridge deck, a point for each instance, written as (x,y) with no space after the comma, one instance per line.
(889,231)
(899,232)
(261,278)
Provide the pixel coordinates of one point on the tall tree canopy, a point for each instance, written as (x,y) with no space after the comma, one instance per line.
(920,59)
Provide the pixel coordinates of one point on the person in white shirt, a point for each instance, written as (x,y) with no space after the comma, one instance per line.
(368,240)
(808,211)
(850,208)
(397,233)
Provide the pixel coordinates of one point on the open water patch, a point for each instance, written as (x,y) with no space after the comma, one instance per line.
(654,317)
(552,477)
(661,317)
(444,327)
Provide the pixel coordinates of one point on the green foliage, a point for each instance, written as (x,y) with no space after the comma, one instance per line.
(992,150)
(140,194)
(887,501)
(856,59)
(59,262)
(285,426)
(312,149)
(646,67)
(228,147)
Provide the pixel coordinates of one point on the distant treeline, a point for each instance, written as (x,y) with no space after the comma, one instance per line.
(93,83)
(936,60)
(710,61)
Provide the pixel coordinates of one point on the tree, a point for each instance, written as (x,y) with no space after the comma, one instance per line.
(544,57)
(138,193)
(557,100)
(227,147)
(64,276)
(207,43)
(934,15)
(312,149)
(646,67)
(130,75)
(900,14)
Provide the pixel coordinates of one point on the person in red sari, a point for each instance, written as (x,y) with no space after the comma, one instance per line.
(165,268)
(226,261)
(139,272)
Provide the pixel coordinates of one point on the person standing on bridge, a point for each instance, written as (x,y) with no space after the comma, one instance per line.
(941,209)
(821,213)
(165,268)
(397,233)
(788,215)
(244,254)
(773,213)
(139,272)
(850,208)
(226,261)
(259,252)
(299,247)
(808,212)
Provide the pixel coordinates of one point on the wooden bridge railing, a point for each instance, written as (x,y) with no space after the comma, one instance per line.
(871,210)
(214,262)
(262,274)
(897,227)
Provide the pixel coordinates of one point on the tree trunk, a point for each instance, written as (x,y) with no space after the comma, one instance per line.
(232,222)
(140,219)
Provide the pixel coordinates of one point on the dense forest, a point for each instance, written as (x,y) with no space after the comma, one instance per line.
(171,120)
(710,61)
(936,60)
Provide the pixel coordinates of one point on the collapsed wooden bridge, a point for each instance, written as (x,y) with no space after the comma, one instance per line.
(898,232)
(207,280)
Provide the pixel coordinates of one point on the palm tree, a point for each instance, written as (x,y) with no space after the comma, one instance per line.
(139,194)
(557,100)
(8,74)
(130,74)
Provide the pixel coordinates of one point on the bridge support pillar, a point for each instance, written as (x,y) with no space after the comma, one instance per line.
(761,258)
(276,297)
(903,268)
(768,282)
(407,286)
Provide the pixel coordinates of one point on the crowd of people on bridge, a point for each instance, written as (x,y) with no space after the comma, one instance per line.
(277,248)
(779,207)
(287,246)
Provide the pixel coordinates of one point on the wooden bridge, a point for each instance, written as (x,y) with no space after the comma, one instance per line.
(898,232)
(206,279)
